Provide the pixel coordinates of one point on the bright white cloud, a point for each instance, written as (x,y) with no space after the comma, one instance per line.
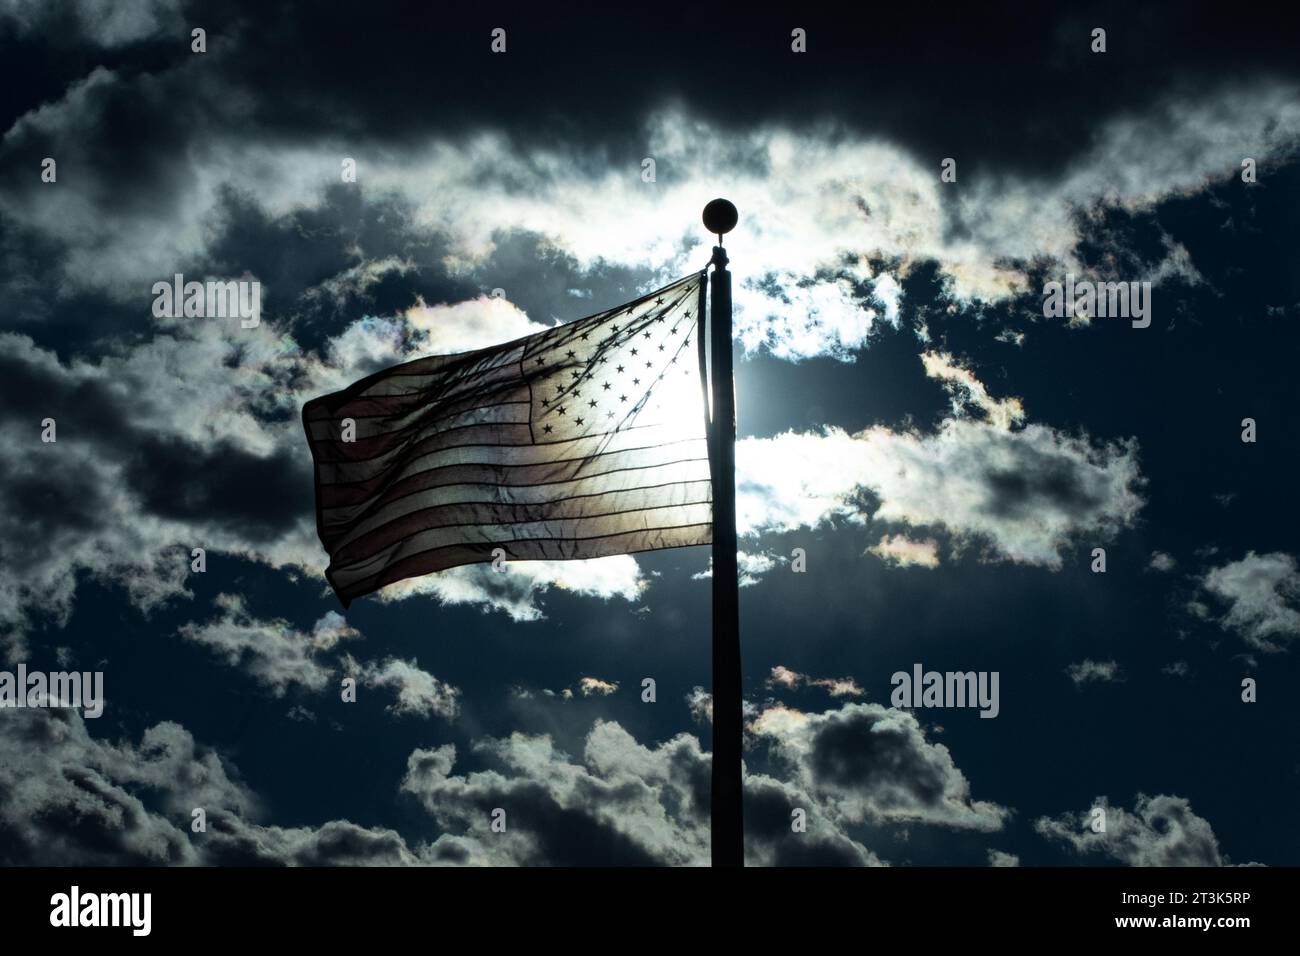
(1262,592)
(901,551)
(1021,495)
(473,324)
(272,652)
(594,685)
(783,676)
(1160,831)
(966,389)
(749,567)
(516,589)
(419,693)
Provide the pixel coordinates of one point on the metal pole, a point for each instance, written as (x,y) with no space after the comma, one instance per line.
(728,833)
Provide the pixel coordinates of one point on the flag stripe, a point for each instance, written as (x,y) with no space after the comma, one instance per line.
(360,545)
(500,532)
(457,452)
(403,448)
(454,374)
(368,429)
(391,408)
(473,476)
(346,527)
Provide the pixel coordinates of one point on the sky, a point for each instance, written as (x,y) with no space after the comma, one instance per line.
(927,459)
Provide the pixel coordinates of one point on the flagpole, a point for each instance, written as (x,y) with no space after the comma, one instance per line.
(728,834)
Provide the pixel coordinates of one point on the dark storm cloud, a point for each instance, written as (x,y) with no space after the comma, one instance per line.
(139,473)
(258,497)
(1055,483)
(1016,89)
(772,841)
(233,841)
(1000,79)
(67,798)
(282,90)
(307,258)
(623,803)
(542,278)
(848,754)
(871,764)
(32,390)
(121,138)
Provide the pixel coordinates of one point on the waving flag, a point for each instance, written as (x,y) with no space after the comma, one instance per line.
(582,441)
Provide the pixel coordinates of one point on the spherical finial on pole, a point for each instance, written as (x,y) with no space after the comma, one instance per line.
(720,217)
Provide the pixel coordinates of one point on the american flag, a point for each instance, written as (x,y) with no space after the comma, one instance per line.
(582,441)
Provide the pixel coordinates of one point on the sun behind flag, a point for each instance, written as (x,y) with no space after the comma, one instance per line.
(582,441)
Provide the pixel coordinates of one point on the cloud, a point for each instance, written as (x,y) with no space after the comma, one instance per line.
(818,200)
(749,567)
(187,440)
(594,685)
(623,804)
(868,763)
(770,839)
(232,841)
(97,24)
(1160,831)
(67,799)
(272,652)
(967,390)
(620,803)
(473,324)
(998,858)
(279,657)
(516,590)
(1021,496)
(419,693)
(700,703)
(835,686)
(901,551)
(1262,591)
(1089,671)
(71,799)
(1160,561)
